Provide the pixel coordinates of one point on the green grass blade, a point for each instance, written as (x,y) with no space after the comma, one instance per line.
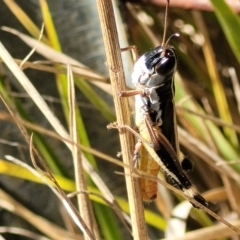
(102,106)
(230,23)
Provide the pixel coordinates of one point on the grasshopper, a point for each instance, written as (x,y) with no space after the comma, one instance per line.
(153,77)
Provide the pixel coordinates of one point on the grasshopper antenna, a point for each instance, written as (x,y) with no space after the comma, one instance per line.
(172,36)
(165,23)
(165,45)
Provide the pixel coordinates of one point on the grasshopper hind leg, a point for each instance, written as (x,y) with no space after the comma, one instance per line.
(190,192)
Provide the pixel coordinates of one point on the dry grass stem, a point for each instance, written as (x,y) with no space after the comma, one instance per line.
(27,85)
(33,49)
(78,220)
(50,229)
(236,86)
(55,56)
(47,132)
(84,204)
(114,62)
(21,232)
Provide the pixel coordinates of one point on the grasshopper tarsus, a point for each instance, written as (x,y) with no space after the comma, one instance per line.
(114,125)
(133,48)
(111,126)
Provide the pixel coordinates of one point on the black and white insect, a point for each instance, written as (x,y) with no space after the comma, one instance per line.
(153,77)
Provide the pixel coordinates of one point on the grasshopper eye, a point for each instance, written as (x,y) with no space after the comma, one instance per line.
(167,63)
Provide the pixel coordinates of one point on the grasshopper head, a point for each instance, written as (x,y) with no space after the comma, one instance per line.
(155,68)
(167,62)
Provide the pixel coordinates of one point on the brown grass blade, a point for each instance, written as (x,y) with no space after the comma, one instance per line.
(84,204)
(55,56)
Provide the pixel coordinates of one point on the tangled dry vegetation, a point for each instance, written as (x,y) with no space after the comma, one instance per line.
(58,161)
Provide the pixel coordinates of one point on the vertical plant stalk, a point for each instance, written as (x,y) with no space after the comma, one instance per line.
(113,54)
(84,203)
